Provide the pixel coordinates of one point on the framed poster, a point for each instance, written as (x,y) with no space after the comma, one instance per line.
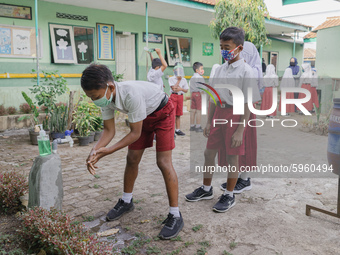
(208,49)
(18,42)
(105,41)
(173,50)
(63,47)
(83,38)
(15,11)
(153,38)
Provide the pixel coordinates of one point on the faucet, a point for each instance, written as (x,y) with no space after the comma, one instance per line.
(68,138)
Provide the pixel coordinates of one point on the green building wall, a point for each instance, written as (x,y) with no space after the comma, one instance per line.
(285,51)
(10,89)
(328,65)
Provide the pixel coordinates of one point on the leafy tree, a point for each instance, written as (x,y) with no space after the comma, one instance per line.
(247,14)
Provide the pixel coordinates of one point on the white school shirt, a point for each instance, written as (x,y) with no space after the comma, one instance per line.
(194,85)
(137,99)
(238,74)
(155,76)
(183,84)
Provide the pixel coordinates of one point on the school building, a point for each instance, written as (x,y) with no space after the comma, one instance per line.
(325,59)
(113,32)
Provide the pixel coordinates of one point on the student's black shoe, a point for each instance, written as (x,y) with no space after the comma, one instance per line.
(120,208)
(179,132)
(200,194)
(224,204)
(199,129)
(173,225)
(223,186)
(242,185)
(193,128)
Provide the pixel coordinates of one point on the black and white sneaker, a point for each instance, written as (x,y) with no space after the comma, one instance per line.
(224,204)
(200,194)
(242,185)
(199,129)
(173,225)
(179,132)
(119,210)
(193,128)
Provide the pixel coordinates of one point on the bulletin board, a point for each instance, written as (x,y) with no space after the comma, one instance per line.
(18,42)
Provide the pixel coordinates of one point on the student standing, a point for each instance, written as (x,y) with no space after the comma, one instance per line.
(287,82)
(270,81)
(157,69)
(293,64)
(228,136)
(149,111)
(306,81)
(178,86)
(196,98)
(252,57)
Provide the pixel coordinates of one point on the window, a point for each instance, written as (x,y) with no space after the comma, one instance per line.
(178,49)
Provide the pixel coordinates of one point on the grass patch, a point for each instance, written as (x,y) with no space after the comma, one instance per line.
(197,227)
(87,218)
(153,250)
(204,244)
(201,251)
(96,186)
(137,244)
(177,238)
(96,176)
(156,194)
(226,253)
(232,245)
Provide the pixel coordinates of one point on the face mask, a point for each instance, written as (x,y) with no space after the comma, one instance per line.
(201,72)
(292,63)
(229,55)
(102,102)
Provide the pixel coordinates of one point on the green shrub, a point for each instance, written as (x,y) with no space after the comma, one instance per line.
(2,110)
(12,187)
(11,110)
(25,108)
(54,232)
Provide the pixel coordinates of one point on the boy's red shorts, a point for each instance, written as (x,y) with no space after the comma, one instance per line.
(177,101)
(196,101)
(162,123)
(220,135)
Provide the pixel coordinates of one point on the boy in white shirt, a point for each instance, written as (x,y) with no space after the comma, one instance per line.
(149,111)
(157,70)
(196,98)
(178,86)
(229,136)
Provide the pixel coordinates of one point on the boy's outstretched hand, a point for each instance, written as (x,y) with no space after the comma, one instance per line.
(236,139)
(93,158)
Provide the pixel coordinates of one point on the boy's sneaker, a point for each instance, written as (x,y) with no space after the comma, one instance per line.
(173,225)
(200,194)
(119,210)
(224,204)
(199,129)
(179,132)
(240,186)
(193,128)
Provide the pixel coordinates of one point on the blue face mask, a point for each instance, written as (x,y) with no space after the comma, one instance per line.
(229,55)
(102,102)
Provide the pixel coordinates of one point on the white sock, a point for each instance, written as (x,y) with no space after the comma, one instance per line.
(174,211)
(206,188)
(177,130)
(127,197)
(244,176)
(227,192)
(198,125)
(192,125)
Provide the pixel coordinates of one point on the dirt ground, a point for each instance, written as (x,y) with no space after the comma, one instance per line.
(269,219)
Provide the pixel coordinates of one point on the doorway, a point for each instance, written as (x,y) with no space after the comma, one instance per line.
(126,56)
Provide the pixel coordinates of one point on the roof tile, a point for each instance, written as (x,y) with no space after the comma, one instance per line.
(330,22)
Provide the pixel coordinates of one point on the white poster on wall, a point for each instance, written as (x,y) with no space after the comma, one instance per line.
(21,42)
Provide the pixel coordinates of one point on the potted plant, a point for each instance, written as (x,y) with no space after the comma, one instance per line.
(98,127)
(83,120)
(51,86)
(58,121)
